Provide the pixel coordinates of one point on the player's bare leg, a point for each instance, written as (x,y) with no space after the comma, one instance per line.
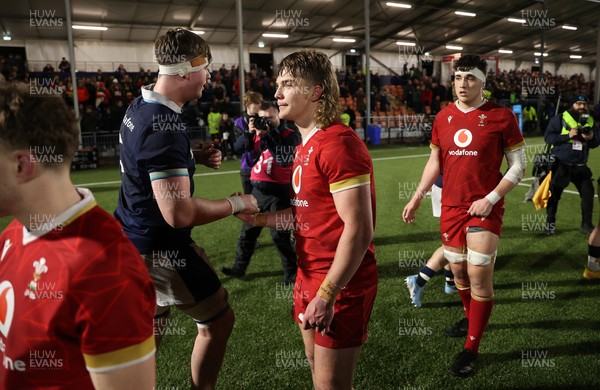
(331,369)
(463,285)
(334,368)
(308,337)
(416,283)
(209,350)
(437,261)
(480,267)
(481,275)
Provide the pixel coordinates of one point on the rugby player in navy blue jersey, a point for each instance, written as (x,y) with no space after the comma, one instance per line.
(156,204)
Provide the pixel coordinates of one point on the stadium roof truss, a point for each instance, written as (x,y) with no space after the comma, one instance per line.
(430,24)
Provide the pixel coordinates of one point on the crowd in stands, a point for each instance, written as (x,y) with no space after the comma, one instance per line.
(104,96)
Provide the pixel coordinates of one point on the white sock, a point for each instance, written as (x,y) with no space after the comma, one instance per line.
(593,264)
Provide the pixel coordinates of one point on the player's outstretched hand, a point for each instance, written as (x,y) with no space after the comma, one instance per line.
(480,208)
(408,214)
(209,157)
(318,315)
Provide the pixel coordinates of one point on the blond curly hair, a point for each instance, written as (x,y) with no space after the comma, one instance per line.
(316,69)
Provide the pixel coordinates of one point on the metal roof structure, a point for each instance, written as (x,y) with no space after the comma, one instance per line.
(430,24)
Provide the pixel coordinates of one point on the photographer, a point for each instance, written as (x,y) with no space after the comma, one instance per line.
(572,135)
(252,101)
(273,146)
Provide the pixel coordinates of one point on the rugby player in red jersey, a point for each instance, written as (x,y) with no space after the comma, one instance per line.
(470,139)
(76,299)
(333,214)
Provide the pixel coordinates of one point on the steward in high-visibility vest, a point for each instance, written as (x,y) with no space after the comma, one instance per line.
(572,136)
(213,119)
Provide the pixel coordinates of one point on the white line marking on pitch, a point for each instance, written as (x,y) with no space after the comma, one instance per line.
(102,183)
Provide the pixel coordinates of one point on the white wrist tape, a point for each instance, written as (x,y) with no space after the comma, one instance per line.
(516,165)
(237,204)
(493,197)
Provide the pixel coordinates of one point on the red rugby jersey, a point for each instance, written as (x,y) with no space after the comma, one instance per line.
(75,296)
(473,145)
(328,160)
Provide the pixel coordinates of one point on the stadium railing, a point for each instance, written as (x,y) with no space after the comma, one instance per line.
(404,129)
(107,143)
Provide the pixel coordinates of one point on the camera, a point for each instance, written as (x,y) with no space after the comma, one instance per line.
(583,127)
(262,122)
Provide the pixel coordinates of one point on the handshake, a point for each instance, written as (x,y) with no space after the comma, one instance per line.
(243,206)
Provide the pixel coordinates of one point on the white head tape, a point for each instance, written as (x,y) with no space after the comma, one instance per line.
(476,72)
(183,68)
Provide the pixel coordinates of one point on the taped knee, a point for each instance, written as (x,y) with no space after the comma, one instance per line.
(477,258)
(207,323)
(454,257)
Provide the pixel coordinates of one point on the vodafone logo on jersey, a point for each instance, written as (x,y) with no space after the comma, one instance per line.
(296,185)
(297,179)
(463,138)
(7,306)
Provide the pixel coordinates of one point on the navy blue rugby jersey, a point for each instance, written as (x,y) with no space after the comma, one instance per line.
(154,144)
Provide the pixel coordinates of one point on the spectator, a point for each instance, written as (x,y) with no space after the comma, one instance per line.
(530,117)
(100,76)
(191,113)
(361,105)
(89,122)
(426,96)
(83,94)
(48,71)
(115,118)
(409,91)
(214,118)
(344,92)
(102,96)
(64,66)
(91,88)
(225,106)
(351,117)
(120,72)
(416,98)
(227,136)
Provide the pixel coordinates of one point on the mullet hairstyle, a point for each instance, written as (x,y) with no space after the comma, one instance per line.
(179,45)
(316,69)
(45,124)
(470,61)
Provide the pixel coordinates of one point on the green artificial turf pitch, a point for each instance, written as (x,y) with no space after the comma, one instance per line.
(544,332)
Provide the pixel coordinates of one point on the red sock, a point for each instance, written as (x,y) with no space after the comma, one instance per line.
(481,309)
(465,297)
